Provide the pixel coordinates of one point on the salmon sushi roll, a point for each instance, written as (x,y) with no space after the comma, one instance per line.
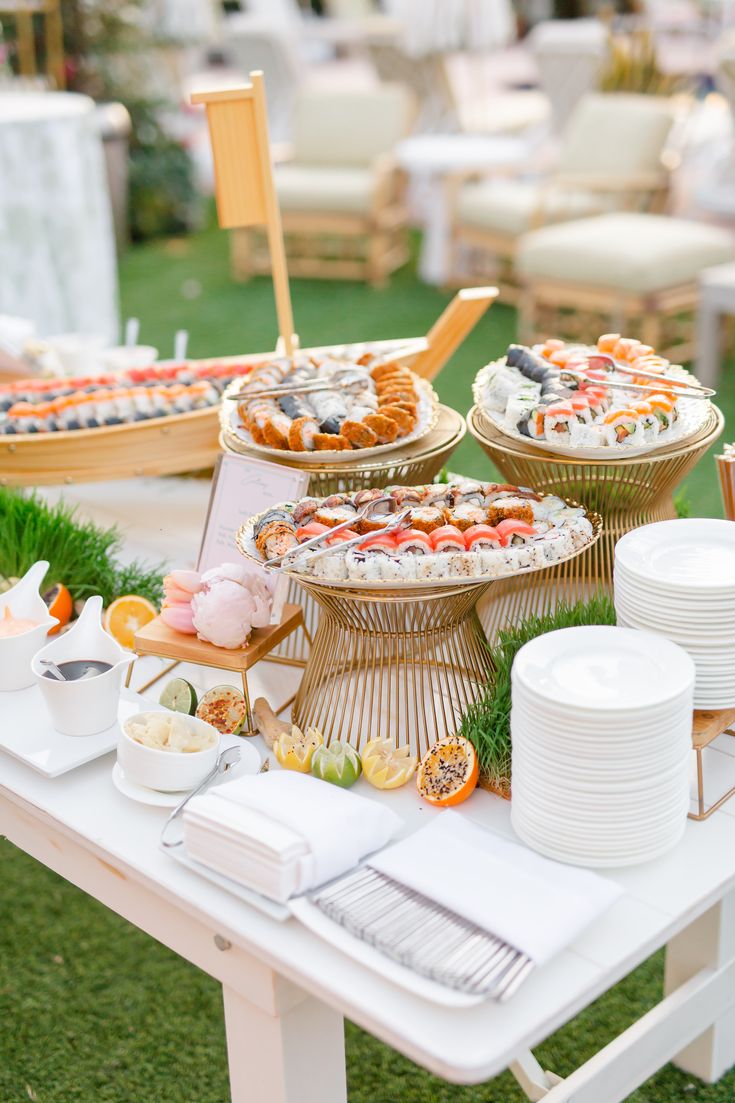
(447,538)
(512,531)
(406,422)
(385,428)
(359,434)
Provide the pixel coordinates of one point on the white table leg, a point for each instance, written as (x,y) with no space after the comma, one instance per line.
(297,1056)
(708,943)
(708,343)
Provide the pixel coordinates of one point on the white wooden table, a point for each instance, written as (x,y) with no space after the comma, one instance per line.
(285,990)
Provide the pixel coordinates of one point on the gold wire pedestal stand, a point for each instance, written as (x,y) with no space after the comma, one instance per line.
(399,665)
(416,464)
(628,493)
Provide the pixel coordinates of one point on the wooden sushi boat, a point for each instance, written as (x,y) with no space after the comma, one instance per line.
(189,441)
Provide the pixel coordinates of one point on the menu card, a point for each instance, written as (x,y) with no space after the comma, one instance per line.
(242,487)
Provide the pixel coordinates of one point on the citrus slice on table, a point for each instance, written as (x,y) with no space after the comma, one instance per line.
(386,766)
(126,616)
(294,750)
(448,772)
(339,763)
(60,605)
(224,708)
(179,696)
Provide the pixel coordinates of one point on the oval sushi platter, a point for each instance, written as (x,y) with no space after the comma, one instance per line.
(694,414)
(236,436)
(245,542)
(166,445)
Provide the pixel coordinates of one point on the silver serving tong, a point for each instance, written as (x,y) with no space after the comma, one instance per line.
(687,390)
(365,512)
(225,761)
(680,390)
(396,522)
(315,386)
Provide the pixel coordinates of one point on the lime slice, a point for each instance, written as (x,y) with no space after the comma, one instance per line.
(224,708)
(179,696)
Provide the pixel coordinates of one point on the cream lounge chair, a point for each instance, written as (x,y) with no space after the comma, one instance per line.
(610,160)
(341,195)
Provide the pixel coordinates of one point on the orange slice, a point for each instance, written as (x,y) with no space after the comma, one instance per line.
(126,616)
(448,772)
(60,605)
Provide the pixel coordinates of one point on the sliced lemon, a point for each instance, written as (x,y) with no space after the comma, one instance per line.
(294,750)
(386,766)
(126,616)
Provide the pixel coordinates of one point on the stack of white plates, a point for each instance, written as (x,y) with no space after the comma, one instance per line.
(677,578)
(601,726)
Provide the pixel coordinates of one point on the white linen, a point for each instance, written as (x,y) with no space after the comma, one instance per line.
(534,904)
(283,833)
(58,248)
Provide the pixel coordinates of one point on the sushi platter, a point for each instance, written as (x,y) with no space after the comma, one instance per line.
(610,401)
(159,420)
(329,407)
(413,538)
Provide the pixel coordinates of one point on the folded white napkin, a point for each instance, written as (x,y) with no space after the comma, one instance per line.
(282,833)
(536,905)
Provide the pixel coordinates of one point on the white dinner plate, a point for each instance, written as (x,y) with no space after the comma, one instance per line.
(691,553)
(620,730)
(589,664)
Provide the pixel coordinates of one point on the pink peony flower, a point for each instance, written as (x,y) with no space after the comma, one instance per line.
(233,599)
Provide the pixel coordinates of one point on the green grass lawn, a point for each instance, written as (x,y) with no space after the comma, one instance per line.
(92,1010)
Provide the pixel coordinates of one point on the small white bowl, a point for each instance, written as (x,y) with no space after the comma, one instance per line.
(167,771)
(123,358)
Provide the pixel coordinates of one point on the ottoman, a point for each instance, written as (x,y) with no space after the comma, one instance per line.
(625,272)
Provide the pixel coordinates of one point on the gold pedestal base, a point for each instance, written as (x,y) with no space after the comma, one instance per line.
(628,493)
(414,465)
(393,665)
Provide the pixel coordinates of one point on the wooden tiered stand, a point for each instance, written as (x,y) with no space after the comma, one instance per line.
(628,493)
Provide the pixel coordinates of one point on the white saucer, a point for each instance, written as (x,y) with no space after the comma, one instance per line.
(249,764)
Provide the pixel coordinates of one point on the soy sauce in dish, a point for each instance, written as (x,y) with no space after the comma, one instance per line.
(76,669)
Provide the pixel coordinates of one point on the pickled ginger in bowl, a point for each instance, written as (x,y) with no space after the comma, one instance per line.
(167,751)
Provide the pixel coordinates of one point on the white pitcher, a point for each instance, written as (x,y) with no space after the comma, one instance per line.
(88,705)
(25,602)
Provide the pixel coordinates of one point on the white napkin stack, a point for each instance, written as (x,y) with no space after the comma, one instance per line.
(533,904)
(283,833)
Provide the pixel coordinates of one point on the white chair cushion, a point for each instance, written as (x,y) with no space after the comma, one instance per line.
(327,190)
(627,252)
(616,134)
(349,128)
(513,208)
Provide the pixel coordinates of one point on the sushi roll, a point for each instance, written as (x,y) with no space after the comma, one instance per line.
(557,545)
(513,532)
(414,542)
(580,403)
(528,362)
(462,493)
(276,514)
(302,434)
(501,387)
(492,562)
(464,564)
(427,518)
(481,537)
(362,497)
(335,515)
(405,421)
(402,495)
(385,428)
(310,530)
(557,420)
(664,408)
(275,539)
(435,495)
(447,538)
(465,515)
(524,557)
(510,509)
(429,567)
(518,413)
(595,435)
(358,434)
(651,424)
(626,426)
(304,510)
(379,543)
(293,406)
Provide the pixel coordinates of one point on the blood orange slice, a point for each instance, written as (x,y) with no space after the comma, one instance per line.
(448,772)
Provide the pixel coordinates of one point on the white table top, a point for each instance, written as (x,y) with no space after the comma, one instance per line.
(461,152)
(33,107)
(468,1045)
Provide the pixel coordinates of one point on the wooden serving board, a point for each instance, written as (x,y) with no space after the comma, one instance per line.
(708,724)
(156,638)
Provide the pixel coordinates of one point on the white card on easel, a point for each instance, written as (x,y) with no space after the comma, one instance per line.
(242,487)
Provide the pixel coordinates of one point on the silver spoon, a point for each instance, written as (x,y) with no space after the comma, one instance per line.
(52,669)
(226,760)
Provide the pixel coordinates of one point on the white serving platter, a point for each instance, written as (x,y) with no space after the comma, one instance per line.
(693,416)
(27,733)
(235,433)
